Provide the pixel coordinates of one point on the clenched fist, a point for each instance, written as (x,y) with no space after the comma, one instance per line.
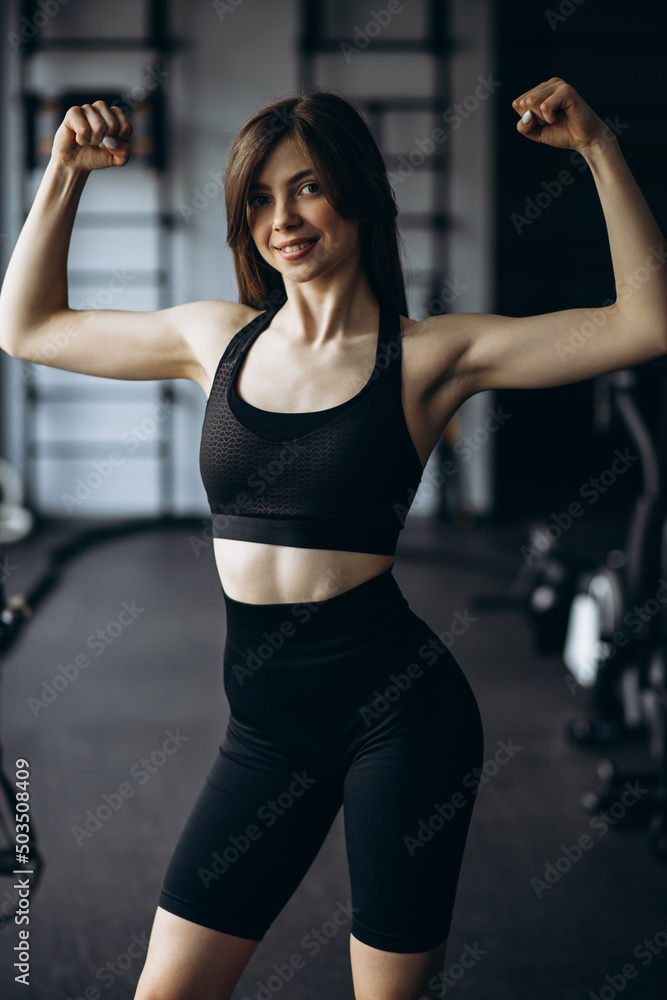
(93,136)
(559,117)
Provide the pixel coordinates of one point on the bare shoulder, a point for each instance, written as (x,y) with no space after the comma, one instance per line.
(208,326)
(435,351)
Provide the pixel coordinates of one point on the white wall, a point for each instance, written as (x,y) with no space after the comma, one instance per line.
(233,59)
(471,197)
(227,66)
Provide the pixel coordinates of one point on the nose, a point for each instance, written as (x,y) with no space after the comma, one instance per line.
(285,213)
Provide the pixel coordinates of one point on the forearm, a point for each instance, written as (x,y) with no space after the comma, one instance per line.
(35,283)
(638,248)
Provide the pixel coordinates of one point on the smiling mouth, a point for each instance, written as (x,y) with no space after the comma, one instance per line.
(296,247)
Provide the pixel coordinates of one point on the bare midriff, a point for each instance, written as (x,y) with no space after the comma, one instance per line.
(257,573)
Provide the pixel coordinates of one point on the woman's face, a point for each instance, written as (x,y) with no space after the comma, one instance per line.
(286,205)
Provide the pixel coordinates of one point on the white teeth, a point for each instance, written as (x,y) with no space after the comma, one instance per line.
(296,246)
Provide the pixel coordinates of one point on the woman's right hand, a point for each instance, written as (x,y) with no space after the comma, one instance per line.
(78,141)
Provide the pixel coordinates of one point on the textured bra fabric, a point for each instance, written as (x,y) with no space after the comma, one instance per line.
(341,478)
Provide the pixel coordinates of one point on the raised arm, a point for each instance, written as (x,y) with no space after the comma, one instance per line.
(36,323)
(558,348)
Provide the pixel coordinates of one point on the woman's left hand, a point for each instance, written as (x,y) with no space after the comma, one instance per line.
(560,117)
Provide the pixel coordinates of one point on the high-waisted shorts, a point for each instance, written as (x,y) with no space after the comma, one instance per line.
(350,701)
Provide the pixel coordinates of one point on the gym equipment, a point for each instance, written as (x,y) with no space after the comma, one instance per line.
(16,521)
(606,638)
(543,588)
(650,813)
(575,609)
(610,621)
(616,643)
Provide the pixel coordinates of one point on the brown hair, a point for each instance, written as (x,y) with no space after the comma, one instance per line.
(332,134)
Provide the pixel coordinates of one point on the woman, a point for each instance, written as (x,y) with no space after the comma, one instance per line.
(324,403)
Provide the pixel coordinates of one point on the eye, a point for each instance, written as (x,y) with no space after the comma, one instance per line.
(252,200)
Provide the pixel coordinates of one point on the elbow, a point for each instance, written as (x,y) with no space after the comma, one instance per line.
(20,340)
(9,333)
(14,346)
(7,346)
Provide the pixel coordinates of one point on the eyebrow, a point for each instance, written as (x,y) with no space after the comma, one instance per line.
(292,180)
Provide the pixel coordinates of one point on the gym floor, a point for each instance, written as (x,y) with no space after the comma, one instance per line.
(597,929)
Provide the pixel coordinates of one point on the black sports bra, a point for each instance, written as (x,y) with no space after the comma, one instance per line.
(341,478)
(277,426)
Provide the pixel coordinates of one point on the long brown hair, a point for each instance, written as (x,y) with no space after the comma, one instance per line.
(328,131)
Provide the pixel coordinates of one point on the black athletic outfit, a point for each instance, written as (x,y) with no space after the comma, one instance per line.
(352,700)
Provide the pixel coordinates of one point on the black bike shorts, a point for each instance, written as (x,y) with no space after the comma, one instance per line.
(350,701)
